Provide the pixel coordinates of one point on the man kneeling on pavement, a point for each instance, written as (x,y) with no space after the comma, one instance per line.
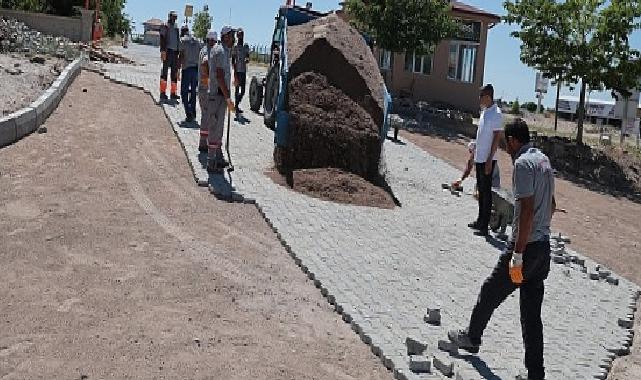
(219,99)
(525,264)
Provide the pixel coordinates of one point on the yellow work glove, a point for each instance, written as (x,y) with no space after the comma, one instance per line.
(163,56)
(230,105)
(516,268)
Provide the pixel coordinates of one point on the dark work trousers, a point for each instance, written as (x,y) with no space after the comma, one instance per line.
(240,89)
(170,63)
(497,287)
(188,86)
(484,186)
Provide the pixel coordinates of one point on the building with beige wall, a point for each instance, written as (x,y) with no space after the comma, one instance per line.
(453,74)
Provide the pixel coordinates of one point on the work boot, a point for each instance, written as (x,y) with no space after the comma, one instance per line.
(474,225)
(175,97)
(462,340)
(163,96)
(214,167)
(482,232)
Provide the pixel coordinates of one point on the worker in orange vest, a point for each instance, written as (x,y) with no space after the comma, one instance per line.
(203,87)
(169,47)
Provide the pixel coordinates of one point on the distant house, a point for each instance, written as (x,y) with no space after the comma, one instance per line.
(453,74)
(152,32)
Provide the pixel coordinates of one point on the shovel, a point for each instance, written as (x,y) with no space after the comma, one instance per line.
(231,166)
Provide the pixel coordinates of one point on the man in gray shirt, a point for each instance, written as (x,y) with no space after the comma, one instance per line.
(526,262)
(169,46)
(219,99)
(240,59)
(188,61)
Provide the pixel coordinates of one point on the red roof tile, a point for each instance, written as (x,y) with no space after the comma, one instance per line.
(465,8)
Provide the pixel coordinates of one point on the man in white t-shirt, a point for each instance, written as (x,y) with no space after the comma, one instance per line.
(488,136)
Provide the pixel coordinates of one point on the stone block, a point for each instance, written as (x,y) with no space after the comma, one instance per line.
(7,131)
(559,259)
(593,275)
(443,364)
(414,347)
(46,104)
(603,273)
(420,364)
(25,121)
(433,317)
(612,280)
(626,323)
(447,346)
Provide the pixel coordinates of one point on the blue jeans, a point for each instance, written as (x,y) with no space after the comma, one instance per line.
(188,86)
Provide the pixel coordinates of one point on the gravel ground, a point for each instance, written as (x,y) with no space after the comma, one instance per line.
(116,265)
(602,227)
(18,91)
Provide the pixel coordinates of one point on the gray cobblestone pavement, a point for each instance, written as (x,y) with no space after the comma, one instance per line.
(383,268)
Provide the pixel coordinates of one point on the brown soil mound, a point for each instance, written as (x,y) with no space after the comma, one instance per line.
(336,185)
(612,169)
(347,61)
(328,129)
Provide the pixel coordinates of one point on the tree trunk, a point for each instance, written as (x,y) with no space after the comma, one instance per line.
(580,115)
(556,107)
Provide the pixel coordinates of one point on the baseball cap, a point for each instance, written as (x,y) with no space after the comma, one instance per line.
(211,35)
(226,30)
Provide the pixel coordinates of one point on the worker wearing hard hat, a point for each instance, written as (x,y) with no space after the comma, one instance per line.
(203,88)
(169,46)
(188,59)
(219,98)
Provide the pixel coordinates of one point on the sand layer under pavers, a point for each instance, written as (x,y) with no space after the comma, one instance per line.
(383,268)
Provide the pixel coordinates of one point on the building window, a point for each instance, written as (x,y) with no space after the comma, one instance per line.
(462,61)
(419,64)
(384,59)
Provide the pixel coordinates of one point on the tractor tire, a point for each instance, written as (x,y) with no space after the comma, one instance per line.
(255,94)
(270,106)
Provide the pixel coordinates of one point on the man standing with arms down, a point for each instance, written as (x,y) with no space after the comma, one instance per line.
(169,46)
(188,61)
(203,87)
(219,98)
(526,262)
(488,136)
(240,59)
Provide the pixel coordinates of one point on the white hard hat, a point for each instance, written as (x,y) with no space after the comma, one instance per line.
(211,35)
(226,30)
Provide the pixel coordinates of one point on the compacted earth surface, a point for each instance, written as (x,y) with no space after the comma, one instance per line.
(602,226)
(24,81)
(115,264)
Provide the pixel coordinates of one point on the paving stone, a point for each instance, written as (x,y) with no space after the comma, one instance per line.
(447,346)
(433,317)
(444,364)
(414,347)
(408,257)
(420,364)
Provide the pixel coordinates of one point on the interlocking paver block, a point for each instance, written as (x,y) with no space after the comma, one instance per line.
(420,364)
(444,364)
(414,347)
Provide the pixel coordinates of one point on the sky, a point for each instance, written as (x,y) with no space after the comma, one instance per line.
(511,78)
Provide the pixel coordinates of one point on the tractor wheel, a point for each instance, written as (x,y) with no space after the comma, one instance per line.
(255,94)
(270,104)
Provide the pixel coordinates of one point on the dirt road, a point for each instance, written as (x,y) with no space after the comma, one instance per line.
(602,227)
(116,265)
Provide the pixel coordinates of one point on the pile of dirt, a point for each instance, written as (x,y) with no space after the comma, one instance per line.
(331,47)
(610,168)
(328,129)
(336,185)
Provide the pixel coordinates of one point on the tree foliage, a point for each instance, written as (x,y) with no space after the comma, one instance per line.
(582,41)
(202,24)
(516,107)
(403,25)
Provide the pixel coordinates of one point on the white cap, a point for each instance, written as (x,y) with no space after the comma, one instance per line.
(225,30)
(211,35)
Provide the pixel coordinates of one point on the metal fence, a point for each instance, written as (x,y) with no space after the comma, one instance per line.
(259,54)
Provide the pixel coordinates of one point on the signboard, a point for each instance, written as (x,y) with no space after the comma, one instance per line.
(541,84)
(189,11)
(594,109)
(631,128)
(469,31)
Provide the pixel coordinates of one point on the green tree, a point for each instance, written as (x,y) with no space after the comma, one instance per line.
(516,107)
(403,25)
(202,24)
(579,41)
